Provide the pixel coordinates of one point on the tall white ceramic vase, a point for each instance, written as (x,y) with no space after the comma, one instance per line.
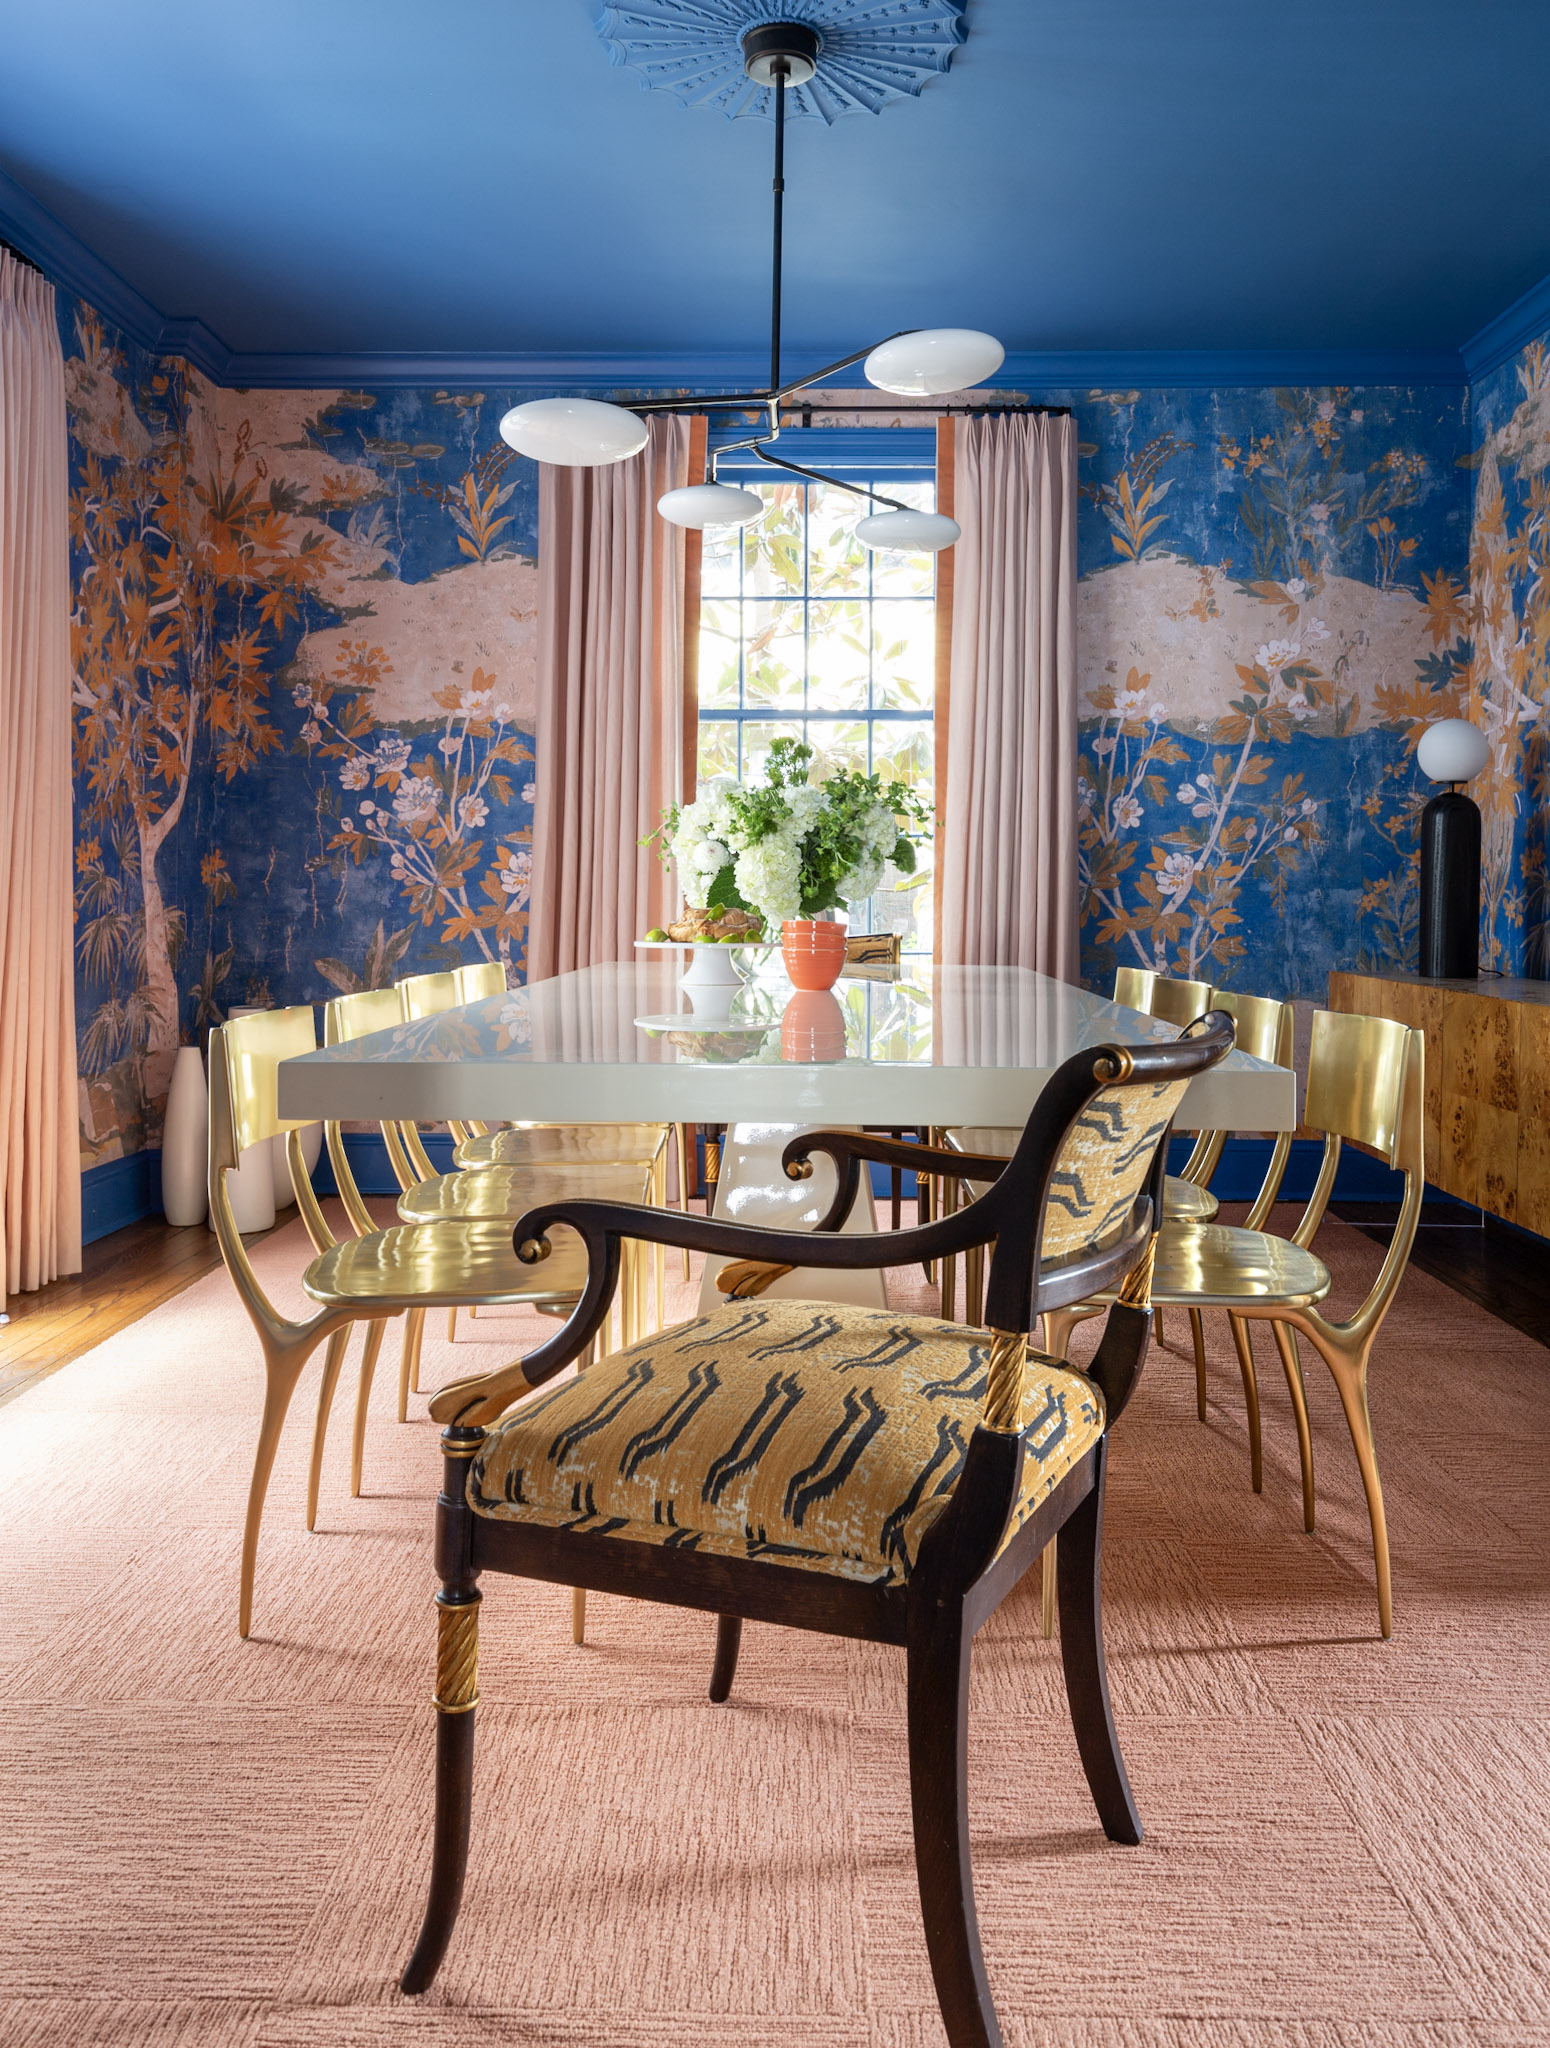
(250,1187)
(185,1141)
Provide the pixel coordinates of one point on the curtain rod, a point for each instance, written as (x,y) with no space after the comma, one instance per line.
(930,412)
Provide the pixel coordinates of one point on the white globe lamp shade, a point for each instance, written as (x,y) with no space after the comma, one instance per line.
(933,360)
(1452,750)
(908,533)
(574,433)
(702,505)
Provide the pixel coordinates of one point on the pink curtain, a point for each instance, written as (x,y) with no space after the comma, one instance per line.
(610,702)
(1009,850)
(40,1162)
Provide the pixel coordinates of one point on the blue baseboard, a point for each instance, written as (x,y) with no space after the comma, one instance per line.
(369,1163)
(120,1192)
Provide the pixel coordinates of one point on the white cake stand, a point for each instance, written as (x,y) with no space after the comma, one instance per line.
(712,974)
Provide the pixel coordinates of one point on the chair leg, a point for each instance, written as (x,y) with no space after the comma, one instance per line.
(729,1637)
(1244,1345)
(282,1376)
(362,1401)
(1291,1365)
(451,1328)
(457,1697)
(1048,1574)
(578,1614)
(681,1134)
(331,1366)
(1197,1331)
(937,1659)
(974,1285)
(1058,1325)
(409,1360)
(1081,1654)
(1157,1325)
(1351,1378)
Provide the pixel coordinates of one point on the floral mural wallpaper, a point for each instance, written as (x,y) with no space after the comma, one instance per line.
(304,648)
(1510,674)
(305,645)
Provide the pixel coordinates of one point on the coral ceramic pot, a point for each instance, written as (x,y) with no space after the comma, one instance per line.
(813,950)
(812,1027)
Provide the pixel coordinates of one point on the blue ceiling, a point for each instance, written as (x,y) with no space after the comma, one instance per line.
(370,175)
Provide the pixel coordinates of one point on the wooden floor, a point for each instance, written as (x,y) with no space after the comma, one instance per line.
(122,1278)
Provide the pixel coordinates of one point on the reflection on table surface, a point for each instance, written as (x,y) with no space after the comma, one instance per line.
(627,1014)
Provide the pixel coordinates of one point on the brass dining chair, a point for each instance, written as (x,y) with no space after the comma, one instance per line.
(868,1474)
(1186,1193)
(533,1146)
(1366,1086)
(364,1279)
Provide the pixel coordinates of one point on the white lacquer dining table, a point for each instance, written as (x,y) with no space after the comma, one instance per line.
(621,1043)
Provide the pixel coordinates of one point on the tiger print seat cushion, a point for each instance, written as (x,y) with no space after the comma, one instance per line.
(799,1432)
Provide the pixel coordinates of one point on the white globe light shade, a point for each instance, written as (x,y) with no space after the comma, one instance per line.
(934,359)
(575,433)
(1452,750)
(702,505)
(909,533)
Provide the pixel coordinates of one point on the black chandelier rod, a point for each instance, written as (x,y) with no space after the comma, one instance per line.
(781,68)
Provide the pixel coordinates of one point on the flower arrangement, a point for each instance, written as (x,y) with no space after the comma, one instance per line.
(791,848)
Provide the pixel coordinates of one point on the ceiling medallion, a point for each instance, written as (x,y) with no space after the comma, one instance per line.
(874,52)
(784,57)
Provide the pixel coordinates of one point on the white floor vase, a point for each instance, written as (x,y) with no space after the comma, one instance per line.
(185,1141)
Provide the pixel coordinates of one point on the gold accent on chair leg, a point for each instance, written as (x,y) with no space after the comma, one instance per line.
(1286,1344)
(1243,1343)
(712,1167)
(362,1400)
(1004,1381)
(1137,1290)
(332,1362)
(1058,1325)
(578,1614)
(281,1376)
(1050,1580)
(1197,1331)
(457,1656)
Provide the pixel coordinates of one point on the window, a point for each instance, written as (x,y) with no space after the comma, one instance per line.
(804,631)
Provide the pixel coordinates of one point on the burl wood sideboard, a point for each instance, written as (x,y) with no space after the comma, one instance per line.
(1487,1083)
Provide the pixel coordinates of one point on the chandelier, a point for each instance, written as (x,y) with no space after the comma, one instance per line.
(922,362)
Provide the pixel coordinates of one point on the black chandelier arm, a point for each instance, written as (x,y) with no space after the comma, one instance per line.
(818,476)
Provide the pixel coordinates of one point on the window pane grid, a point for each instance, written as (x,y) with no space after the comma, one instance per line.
(833,644)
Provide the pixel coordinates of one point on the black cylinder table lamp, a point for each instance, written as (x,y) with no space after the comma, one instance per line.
(1451,751)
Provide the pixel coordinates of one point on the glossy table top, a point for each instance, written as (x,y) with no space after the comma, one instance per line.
(943,1046)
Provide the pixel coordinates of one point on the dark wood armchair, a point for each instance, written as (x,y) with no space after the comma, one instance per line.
(854,1471)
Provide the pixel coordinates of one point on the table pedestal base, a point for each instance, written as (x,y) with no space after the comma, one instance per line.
(753,1189)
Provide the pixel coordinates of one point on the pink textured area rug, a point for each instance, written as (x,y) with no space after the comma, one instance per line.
(211,1841)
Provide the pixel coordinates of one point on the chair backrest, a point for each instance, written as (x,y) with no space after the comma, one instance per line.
(250,1053)
(1263,1028)
(1357,1070)
(357,1016)
(484,978)
(245,1055)
(427,995)
(1174,1002)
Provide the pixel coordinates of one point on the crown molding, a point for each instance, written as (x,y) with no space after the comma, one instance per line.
(1063,372)
(34,231)
(1525,320)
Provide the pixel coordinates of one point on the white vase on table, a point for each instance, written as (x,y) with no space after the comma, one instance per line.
(185,1141)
